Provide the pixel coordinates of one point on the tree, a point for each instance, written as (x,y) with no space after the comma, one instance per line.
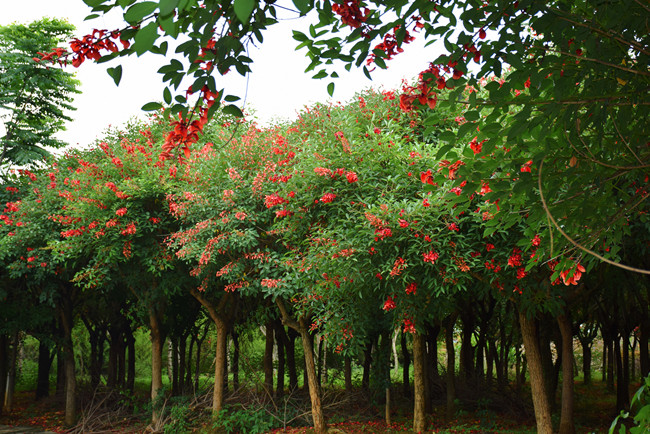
(34,97)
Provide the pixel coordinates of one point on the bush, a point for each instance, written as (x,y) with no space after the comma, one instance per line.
(238,419)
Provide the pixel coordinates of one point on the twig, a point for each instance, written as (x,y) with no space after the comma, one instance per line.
(584,249)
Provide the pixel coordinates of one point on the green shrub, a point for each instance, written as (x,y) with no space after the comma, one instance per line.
(237,419)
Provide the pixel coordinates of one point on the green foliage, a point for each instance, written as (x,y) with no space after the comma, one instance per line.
(639,417)
(178,413)
(238,419)
(34,97)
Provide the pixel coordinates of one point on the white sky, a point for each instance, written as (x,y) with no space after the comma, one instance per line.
(278,87)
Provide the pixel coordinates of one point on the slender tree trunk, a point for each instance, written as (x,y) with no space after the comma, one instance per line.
(566,418)
(537,383)
(280,342)
(419,394)
(11,374)
(268,358)
(367,360)
(301,326)
(4,365)
(451,366)
(406,388)
(347,374)
(314,391)
(611,356)
(586,363)
(130,372)
(644,355)
(291,358)
(43,376)
(605,356)
(319,373)
(235,359)
(182,367)
(65,312)
(219,367)
(622,387)
(157,344)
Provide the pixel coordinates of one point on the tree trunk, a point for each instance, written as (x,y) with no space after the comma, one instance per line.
(130,372)
(622,387)
(173,362)
(280,342)
(235,359)
(586,364)
(268,358)
(406,388)
(43,376)
(291,358)
(451,366)
(466,349)
(566,418)
(314,393)
(11,374)
(4,364)
(347,374)
(611,356)
(157,344)
(644,355)
(537,383)
(219,367)
(301,326)
(419,394)
(367,359)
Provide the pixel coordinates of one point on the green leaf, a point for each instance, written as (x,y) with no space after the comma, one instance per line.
(167,96)
(94,3)
(138,11)
(166,7)
(303,6)
(447,136)
(231,98)
(472,115)
(116,73)
(233,110)
(243,9)
(145,38)
(330,89)
(151,106)
(91,17)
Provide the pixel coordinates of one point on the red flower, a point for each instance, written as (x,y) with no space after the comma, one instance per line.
(426,177)
(573,280)
(403,223)
(453,227)
(430,256)
(328,197)
(411,288)
(121,212)
(489,247)
(481,34)
(526,166)
(409,326)
(515,258)
(352,177)
(389,304)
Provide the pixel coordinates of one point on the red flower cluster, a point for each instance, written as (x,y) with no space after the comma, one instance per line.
(90,46)
(351,13)
(389,304)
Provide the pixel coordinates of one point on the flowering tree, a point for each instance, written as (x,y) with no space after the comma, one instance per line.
(116,219)
(30,222)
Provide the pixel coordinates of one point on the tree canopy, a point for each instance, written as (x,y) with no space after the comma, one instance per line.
(34,97)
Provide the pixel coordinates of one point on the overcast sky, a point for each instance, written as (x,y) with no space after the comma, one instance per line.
(278,87)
